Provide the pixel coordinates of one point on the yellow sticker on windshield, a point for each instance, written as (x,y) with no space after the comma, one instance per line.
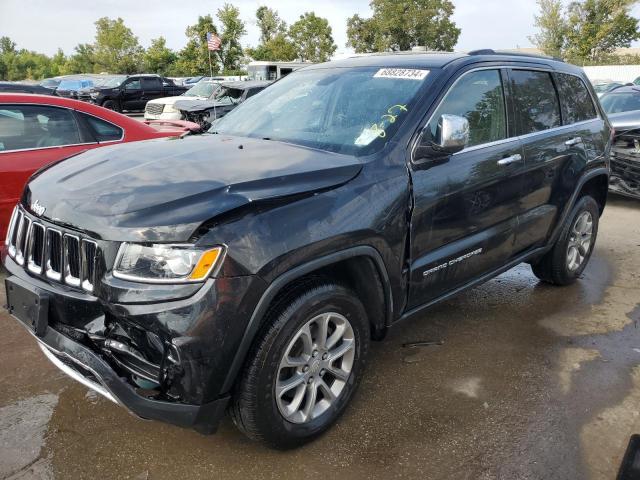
(404,73)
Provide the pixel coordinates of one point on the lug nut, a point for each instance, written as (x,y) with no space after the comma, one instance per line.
(325,355)
(305,369)
(310,381)
(315,353)
(322,372)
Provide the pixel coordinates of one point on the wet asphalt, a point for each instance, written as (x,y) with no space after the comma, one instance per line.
(531,382)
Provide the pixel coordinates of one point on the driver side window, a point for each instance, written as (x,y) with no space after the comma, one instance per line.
(478,97)
(132,85)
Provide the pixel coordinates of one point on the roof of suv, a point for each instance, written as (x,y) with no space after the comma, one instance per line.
(436,59)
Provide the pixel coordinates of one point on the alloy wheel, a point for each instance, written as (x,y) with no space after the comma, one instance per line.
(579,241)
(315,367)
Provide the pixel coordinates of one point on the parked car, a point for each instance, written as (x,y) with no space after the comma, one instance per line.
(221,102)
(50,83)
(70,87)
(36,130)
(623,108)
(15,87)
(250,268)
(603,87)
(163,108)
(133,92)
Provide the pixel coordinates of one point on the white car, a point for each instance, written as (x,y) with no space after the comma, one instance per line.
(163,108)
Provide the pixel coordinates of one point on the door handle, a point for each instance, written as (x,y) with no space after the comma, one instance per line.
(509,160)
(573,141)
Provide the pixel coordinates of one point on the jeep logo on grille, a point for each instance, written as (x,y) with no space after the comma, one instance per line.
(37,208)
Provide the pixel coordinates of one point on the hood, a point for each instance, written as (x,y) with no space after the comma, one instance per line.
(173,100)
(625,120)
(162,190)
(197,105)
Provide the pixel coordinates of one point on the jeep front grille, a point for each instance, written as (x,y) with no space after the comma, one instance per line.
(154,108)
(43,250)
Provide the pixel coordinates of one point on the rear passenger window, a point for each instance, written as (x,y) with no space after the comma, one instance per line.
(536,101)
(478,97)
(103,131)
(576,101)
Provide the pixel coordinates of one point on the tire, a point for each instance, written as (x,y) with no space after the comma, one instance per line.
(111,105)
(560,266)
(258,410)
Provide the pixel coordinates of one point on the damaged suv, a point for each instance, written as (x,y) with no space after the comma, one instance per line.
(248,269)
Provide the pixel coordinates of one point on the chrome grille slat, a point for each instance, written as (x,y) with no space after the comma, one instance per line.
(154,108)
(42,250)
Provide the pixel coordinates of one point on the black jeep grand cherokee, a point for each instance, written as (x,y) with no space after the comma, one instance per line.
(249,268)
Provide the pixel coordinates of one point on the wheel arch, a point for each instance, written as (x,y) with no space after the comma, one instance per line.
(354,266)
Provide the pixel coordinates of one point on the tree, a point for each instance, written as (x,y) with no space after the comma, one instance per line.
(552,27)
(270,24)
(279,48)
(312,37)
(233,29)
(116,47)
(82,61)
(193,59)
(58,62)
(403,24)
(596,28)
(158,58)
(7,46)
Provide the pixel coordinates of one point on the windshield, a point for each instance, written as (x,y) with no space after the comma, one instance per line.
(621,102)
(202,89)
(76,84)
(113,81)
(227,95)
(50,83)
(354,111)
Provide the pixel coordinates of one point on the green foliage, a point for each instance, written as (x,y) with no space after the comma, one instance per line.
(82,61)
(233,29)
(402,24)
(193,59)
(270,24)
(587,31)
(312,38)
(158,58)
(278,48)
(116,48)
(552,28)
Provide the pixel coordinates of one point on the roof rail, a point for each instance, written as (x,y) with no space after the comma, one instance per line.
(490,51)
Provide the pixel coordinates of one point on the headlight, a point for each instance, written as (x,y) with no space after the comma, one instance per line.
(169,109)
(164,263)
(94,94)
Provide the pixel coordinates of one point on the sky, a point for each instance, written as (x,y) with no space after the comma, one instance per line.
(46,25)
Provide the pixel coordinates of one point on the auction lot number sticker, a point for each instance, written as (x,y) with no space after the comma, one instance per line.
(405,73)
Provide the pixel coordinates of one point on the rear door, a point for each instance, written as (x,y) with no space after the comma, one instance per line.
(32,136)
(556,138)
(152,88)
(466,207)
(132,95)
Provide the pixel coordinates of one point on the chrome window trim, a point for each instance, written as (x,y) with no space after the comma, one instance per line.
(508,139)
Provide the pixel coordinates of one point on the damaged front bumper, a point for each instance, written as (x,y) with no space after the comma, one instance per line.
(108,346)
(625,165)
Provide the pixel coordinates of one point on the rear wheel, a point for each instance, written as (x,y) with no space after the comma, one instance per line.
(111,105)
(568,258)
(306,366)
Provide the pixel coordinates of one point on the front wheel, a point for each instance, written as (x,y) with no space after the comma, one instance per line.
(111,105)
(568,258)
(306,366)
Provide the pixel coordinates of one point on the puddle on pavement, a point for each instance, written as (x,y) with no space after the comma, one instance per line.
(23,425)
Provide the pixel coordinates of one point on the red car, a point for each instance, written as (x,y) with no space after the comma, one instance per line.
(36,130)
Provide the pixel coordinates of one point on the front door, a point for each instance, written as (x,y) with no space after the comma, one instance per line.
(132,95)
(466,207)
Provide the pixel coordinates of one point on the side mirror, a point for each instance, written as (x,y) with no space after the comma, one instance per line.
(452,134)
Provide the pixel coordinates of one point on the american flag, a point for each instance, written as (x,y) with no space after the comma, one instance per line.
(213,41)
